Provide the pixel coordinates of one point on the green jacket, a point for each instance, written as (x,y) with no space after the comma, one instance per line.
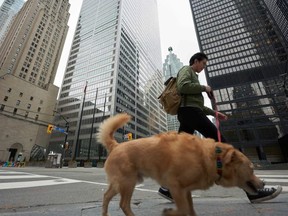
(189,87)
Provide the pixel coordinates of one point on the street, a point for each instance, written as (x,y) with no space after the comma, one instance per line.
(33,191)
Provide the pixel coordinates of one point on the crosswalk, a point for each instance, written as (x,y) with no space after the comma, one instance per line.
(14,180)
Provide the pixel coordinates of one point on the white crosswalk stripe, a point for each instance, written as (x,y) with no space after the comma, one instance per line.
(29,180)
(14,180)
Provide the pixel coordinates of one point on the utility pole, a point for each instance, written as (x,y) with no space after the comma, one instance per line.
(91,132)
(100,149)
(66,136)
(79,127)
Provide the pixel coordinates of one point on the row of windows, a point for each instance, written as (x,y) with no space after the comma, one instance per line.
(81,68)
(18,103)
(207,4)
(21,95)
(16,111)
(218,18)
(259,89)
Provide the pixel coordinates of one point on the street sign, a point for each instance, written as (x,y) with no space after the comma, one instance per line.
(62,130)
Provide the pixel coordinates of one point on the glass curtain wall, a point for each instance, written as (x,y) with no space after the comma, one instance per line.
(116,53)
(247,52)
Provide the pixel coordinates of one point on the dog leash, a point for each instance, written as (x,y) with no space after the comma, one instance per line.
(218,150)
(213,100)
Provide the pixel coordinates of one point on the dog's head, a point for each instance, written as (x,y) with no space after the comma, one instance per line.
(238,171)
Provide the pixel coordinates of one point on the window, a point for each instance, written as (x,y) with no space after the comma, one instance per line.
(31,98)
(6,98)
(29,106)
(39,109)
(2,107)
(15,111)
(21,94)
(9,90)
(18,102)
(36,117)
(26,114)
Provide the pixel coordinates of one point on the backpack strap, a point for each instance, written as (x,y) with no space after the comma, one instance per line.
(184,96)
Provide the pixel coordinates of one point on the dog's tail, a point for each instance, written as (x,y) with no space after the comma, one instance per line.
(108,128)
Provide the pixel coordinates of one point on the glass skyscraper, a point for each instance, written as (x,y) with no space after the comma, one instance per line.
(8,9)
(246,43)
(171,66)
(116,49)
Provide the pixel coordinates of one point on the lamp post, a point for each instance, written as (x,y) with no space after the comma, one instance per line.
(66,136)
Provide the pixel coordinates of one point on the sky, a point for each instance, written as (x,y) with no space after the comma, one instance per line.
(176,30)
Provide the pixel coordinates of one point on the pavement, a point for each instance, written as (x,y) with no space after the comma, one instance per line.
(214,202)
(77,199)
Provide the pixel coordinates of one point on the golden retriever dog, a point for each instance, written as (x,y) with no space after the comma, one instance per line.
(180,162)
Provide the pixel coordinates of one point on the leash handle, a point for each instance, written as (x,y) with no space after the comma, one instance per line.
(213,100)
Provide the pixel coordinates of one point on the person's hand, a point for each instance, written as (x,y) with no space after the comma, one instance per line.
(208,89)
(222,116)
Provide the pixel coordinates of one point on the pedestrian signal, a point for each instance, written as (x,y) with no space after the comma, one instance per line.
(50,128)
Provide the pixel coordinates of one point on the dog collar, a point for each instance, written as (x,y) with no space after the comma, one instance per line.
(219,164)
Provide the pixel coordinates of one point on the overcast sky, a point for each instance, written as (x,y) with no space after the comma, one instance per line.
(176,30)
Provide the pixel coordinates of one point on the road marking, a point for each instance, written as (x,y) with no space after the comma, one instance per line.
(272,176)
(275,180)
(6,175)
(24,176)
(29,184)
(284,188)
(3,172)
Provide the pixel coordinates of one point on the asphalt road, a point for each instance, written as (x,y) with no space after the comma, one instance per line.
(78,191)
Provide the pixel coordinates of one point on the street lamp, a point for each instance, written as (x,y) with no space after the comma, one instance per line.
(66,136)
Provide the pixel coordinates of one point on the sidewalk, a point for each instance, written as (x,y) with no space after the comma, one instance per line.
(217,201)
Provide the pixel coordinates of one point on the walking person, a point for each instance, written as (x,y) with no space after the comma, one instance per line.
(192,115)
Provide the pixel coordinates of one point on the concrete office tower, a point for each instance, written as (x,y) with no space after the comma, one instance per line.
(8,9)
(171,67)
(29,56)
(247,52)
(116,49)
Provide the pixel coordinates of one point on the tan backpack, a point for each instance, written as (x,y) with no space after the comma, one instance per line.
(170,99)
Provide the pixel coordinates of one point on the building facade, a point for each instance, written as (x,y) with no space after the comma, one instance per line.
(247,49)
(116,54)
(171,66)
(8,9)
(29,56)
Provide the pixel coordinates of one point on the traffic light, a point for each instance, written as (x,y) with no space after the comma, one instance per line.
(130,136)
(50,128)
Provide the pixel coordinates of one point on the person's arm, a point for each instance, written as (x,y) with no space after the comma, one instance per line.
(188,83)
(221,116)
(209,111)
